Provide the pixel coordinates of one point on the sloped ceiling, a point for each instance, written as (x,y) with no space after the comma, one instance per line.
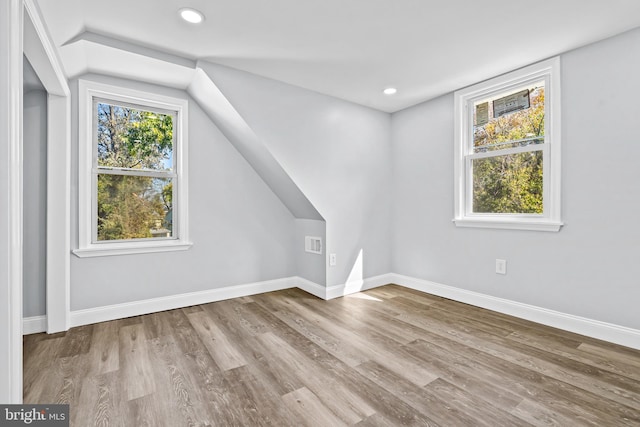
(347,49)
(90,52)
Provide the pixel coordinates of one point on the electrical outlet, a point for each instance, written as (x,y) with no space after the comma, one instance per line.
(501,266)
(332,260)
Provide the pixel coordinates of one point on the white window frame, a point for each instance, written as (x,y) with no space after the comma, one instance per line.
(88,246)
(550,219)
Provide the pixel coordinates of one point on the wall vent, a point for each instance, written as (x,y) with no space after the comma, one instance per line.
(313,244)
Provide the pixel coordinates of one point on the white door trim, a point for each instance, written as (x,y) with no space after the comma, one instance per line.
(11,14)
(43,56)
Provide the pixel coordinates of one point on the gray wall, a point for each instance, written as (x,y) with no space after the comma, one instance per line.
(35,202)
(241,231)
(338,153)
(309,265)
(590,268)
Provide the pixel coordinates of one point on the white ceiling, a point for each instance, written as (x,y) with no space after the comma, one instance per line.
(350,49)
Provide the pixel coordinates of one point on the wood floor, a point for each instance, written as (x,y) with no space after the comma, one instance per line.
(386,357)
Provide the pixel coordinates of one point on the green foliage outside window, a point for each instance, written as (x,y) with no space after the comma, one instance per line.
(131,206)
(510,183)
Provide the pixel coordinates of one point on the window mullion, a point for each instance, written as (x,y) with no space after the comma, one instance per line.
(507,151)
(133,172)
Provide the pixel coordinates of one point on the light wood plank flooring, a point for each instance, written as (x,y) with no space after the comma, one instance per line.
(385,357)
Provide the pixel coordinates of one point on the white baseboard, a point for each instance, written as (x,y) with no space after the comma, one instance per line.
(359,285)
(34,325)
(136,308)
(348,288)
(313,288)
(592,328)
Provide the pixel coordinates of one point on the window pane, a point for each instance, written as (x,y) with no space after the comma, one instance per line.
(132,138)
(510,119)
(134,207)
(508,184)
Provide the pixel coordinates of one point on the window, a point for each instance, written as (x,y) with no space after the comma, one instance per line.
(507,156)
(132,171)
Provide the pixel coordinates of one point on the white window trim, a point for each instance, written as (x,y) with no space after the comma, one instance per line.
(87,91)
(550,220)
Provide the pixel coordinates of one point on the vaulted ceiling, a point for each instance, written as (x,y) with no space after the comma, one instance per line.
(350,49)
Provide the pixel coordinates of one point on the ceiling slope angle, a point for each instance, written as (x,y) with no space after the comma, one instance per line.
(244,139)
(92,52)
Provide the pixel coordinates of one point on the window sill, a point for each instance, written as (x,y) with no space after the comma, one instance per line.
(505,224)
(111,249)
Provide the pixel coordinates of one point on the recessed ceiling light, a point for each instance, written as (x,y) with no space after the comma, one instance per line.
(191,15)
(390,91)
